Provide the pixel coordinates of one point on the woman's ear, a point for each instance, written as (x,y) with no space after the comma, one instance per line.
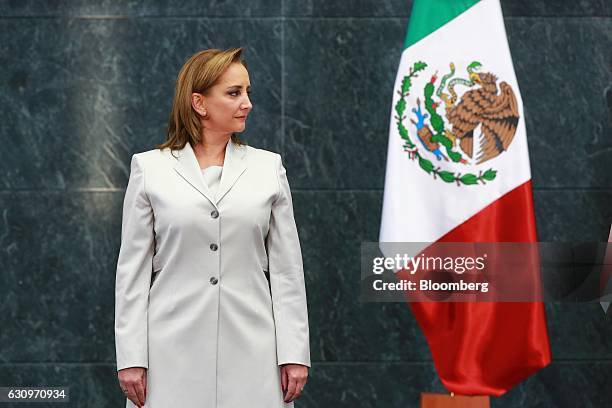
(197,103)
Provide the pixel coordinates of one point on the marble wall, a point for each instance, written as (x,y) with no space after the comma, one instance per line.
(85,84)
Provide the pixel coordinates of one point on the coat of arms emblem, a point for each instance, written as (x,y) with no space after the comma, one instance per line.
(469,130)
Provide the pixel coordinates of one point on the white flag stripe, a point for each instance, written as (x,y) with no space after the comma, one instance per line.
(417,207)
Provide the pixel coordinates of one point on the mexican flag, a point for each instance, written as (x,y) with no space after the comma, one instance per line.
(458,171)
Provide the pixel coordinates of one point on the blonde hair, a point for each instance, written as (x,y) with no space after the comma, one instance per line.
(199,73)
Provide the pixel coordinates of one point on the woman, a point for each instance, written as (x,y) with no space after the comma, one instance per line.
(210,304)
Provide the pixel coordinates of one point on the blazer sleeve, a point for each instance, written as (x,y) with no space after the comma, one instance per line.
(287,278)
(134,270)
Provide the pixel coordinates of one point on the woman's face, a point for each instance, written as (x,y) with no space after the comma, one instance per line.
(227,103)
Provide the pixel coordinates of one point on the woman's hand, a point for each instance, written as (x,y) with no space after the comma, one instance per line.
(293,379)
(133,382)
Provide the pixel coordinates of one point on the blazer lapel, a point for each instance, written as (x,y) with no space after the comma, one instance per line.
(188,167)
(234,165)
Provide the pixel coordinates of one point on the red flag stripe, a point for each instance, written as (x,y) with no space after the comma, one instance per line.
(487,348)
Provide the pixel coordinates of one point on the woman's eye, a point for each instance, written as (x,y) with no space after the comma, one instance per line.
(236,93)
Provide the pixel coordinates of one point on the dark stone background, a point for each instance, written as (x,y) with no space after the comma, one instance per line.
(86,83)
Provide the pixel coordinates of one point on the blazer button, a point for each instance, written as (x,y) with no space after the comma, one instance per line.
(214,214)
(213,280)
(213,247)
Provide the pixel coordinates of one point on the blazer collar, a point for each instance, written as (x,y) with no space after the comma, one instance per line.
(234,165)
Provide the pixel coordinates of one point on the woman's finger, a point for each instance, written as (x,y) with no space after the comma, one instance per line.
(299,388)
(283,378)
(131,394)
(291,388)
(144,381)
(140,392)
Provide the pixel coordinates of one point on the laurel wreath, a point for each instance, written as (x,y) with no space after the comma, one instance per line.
(412,149)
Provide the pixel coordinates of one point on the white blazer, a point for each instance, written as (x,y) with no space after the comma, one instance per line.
(193,300)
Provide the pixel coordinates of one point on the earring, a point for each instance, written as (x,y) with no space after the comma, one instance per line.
(204,113)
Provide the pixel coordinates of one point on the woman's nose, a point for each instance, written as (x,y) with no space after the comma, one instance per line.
(247,104)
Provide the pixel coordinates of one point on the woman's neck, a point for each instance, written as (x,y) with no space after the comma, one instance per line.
(211,150)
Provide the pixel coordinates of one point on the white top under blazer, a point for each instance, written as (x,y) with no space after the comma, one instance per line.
(212,178)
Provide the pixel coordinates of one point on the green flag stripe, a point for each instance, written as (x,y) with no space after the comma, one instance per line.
(429,15)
